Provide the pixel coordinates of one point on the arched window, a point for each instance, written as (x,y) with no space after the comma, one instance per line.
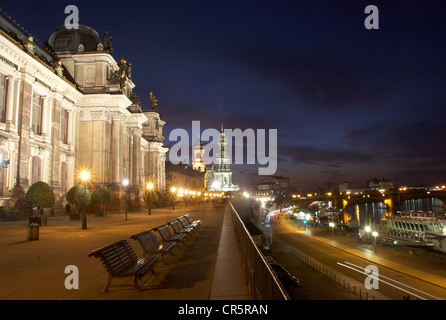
(36,172)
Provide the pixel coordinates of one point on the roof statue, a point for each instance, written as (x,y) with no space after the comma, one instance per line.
(123,73)
(153,100)
(108,44)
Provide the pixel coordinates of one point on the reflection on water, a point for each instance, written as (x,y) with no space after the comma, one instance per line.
(374,212)
(434,205)
(367,213)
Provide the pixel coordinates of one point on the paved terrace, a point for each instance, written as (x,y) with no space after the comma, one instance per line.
(206,267)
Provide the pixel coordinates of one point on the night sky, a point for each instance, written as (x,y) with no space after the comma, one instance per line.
(349,104)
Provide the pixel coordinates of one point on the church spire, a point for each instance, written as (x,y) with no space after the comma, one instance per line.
(222,142)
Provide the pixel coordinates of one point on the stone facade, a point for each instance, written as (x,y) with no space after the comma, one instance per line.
(68,106)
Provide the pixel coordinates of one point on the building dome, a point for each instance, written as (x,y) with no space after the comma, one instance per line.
(68,40)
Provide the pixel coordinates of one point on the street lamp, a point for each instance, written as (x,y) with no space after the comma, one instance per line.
(85,175)
(375,234)
(125,183)
(367,229)
(149,188)
(331,225)
(173,189)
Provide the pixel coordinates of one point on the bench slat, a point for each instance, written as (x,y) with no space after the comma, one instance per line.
(167,234)
(178,229)
(151,244)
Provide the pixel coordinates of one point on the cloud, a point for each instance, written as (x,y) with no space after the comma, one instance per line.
(326,157)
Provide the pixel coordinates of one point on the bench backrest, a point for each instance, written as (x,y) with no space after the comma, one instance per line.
(148,240)
(116,257)
(183,221)
(165,232)
(189,218)
(176,225)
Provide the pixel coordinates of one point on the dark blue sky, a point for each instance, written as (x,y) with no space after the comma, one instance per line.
(349,104)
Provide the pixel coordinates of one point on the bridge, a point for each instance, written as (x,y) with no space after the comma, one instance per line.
(392,199)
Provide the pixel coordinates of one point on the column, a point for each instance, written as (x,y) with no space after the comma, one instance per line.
(54,179)
(45,108)
(116,151)
(70,127)
(17,104)
(136,157)
(10,104)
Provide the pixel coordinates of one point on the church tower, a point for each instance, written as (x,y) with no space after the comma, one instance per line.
(198,154)
(220,178)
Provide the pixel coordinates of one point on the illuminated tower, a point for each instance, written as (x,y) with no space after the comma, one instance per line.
(198,155)
(220,178)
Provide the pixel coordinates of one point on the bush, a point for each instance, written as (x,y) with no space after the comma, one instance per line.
(76,195)
(101,195)
(40,195)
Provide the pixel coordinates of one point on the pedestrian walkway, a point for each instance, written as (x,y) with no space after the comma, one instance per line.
(36,269)
(229,281)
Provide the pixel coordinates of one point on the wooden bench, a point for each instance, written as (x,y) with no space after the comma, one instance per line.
(179,229)
(190,220)
(186,223)
(120,261)
(167,234)
(151,244)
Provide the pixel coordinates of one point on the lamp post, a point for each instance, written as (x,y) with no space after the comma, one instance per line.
(125,183)
(84,176)
(181,194)
(149,188)
(375,234)
(173,189)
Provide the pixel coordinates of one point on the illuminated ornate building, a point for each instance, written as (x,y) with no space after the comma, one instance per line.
(67,106)
(219,178)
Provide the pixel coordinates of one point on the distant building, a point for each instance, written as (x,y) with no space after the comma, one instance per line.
(184,176)
(270,187)
(329,186)
(382,183)
(344,186)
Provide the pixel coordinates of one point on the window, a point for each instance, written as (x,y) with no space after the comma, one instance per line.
(2,98)
(37,113)
(64,126)
(36,170)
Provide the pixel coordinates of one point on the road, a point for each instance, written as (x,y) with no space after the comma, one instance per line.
(389,278)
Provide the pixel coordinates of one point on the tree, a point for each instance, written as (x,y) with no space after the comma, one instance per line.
(76,196)
(101,196)
(40,195)
(162,199)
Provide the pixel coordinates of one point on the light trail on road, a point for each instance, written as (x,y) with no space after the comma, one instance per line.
(389,285)
(356,267)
